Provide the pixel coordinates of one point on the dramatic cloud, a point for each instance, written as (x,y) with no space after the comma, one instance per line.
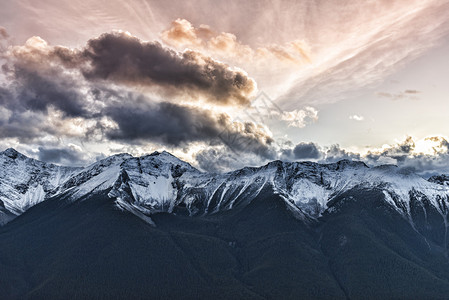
(307,151)
(123,59)
(23,126)
(400,150)
(349,45)
(428,156)
(397,153)
(136,119)
(70,155)
(62,92)
(185,89)
(150,64)
(219,159)
(177,125)
(301,151)
(37,91)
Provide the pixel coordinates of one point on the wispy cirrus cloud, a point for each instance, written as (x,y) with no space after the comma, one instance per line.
(407,94)
(379,39)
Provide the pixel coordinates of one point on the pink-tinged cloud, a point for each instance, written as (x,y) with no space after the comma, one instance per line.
(182,34)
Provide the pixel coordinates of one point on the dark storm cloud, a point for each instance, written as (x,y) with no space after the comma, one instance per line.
(59,155)
(34,83)
(56,82)
(312,151)
(247,139)
(307,151)
(125,59)
(5,96)
(25,127)
(176,125)
(168,123)
(38,91)
(138,119)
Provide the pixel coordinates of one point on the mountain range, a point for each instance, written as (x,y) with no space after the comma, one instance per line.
(154,227)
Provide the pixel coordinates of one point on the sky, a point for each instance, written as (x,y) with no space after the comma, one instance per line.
(227,84)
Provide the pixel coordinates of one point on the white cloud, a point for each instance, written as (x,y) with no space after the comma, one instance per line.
(300,117)
(356,118)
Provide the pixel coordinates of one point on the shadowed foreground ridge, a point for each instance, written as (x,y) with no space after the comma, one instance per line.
(156,228)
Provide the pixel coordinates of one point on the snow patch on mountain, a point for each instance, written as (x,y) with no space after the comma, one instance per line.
(24,181)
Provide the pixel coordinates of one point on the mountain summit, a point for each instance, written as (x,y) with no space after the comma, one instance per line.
(160,182)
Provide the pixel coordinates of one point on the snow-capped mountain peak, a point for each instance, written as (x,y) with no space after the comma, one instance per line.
(160,182)
(12,153)
(24,182)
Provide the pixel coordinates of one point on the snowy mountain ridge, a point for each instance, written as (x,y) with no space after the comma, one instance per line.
(25,182)
(160,182)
